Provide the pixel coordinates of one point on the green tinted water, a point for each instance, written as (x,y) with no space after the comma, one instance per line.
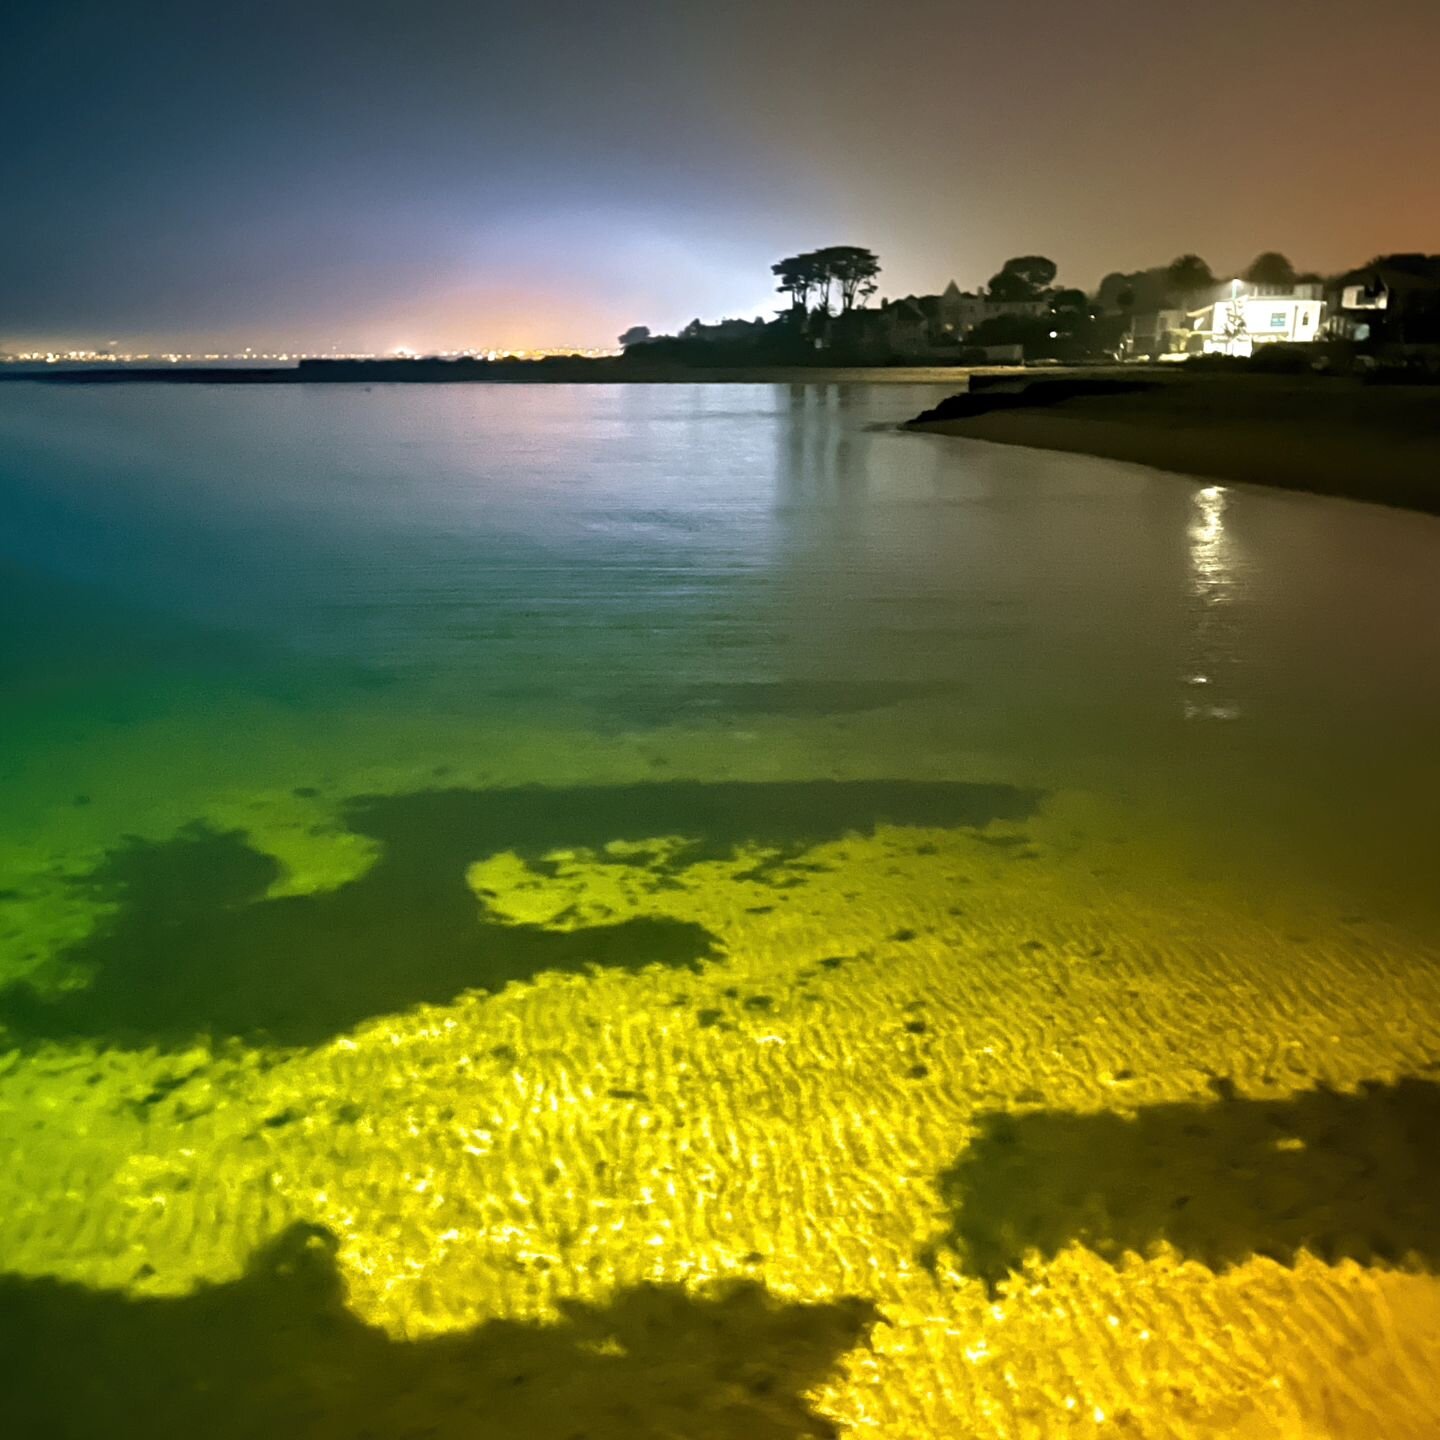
(719,793)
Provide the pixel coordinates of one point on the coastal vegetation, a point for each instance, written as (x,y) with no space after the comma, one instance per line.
(830,316)
(1380,316)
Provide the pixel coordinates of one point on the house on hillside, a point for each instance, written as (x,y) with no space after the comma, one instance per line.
(1242,317)
(725,330)
(906,327)
(1395,300)
(1234,319)
(887,331)
(930,327)
(1154,333)
(892,328)
(948,318)
(957,312)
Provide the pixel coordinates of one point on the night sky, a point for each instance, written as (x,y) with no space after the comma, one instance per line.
(454,173)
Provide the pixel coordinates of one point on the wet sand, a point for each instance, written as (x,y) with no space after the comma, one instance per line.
(1329,437)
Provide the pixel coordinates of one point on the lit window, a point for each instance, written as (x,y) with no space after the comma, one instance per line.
(1277,319)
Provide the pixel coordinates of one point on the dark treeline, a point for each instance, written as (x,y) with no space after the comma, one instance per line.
(1023,313)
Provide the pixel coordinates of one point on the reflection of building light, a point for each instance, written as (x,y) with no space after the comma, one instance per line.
(1210,585)
(1211,527)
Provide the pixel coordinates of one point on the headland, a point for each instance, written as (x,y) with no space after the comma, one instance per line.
(1329,435)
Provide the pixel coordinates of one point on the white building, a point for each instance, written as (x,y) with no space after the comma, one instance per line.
(1249,315)
(957,312)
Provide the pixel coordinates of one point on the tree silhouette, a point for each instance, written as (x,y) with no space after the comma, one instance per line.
(1235,327)
(821,279)
(1024,277)
(809,277)
(1188,275)
(1270,268)
(635,335)
(853,269)
(795,276)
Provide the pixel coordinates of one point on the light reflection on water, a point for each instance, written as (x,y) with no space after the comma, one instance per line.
(1213,581)
(635,555)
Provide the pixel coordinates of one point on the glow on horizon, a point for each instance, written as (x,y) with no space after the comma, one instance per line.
(81,355)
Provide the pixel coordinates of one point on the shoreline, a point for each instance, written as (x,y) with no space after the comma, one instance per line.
(543,372)
(1333,437)
(1320,435)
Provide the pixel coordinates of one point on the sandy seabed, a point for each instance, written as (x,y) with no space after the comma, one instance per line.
(993,1129)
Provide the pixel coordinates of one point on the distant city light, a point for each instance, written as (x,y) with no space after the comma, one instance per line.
(111,355)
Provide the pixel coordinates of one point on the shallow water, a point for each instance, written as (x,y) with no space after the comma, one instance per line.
(558,881)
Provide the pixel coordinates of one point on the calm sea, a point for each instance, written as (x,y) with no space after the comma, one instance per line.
(516,856)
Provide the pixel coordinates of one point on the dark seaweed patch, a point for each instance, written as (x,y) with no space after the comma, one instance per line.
(773,697)
(1340,1175)
(277,1353)
(195,947)
(161,1090)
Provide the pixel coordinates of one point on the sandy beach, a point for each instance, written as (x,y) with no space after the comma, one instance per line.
(1328,436)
